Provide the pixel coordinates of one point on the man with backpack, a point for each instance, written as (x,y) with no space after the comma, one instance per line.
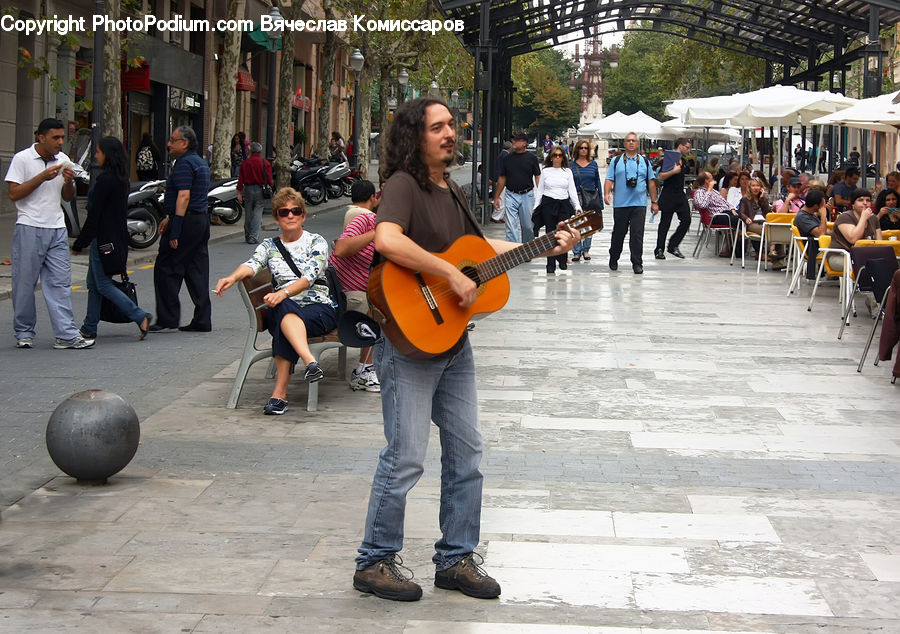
(628,182)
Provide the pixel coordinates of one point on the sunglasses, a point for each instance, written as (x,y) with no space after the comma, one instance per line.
(284,212)
(557,156)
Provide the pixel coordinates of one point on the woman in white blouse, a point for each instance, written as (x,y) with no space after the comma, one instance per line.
(555,199)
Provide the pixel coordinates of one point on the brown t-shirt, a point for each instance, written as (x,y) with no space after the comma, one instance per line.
(432,219)
(838,241)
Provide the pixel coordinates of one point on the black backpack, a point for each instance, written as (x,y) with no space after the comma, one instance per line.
(335,291)
(640,156)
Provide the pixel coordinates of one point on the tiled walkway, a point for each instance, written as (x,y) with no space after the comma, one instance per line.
(683,451)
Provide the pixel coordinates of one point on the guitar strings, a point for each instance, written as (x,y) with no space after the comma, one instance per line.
(440,288)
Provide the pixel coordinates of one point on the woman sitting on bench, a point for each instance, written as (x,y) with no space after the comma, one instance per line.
(299,305)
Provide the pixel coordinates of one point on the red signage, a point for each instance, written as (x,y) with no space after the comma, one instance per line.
(301,102)
(245,81)
(137,78)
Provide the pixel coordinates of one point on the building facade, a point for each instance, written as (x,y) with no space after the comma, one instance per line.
(172,78)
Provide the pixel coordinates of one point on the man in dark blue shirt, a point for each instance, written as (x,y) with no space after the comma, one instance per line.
(183,249)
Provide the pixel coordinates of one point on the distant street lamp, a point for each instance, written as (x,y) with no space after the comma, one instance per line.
(434,91)
(403,79)
(356,63)
(273,36)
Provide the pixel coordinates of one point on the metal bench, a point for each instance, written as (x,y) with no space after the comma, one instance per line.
(252,291)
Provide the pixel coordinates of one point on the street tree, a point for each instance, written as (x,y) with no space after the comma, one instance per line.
(225,106)
(326,73)
(112,74)
(543,100)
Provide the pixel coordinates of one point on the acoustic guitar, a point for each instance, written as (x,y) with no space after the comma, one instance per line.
(421,315)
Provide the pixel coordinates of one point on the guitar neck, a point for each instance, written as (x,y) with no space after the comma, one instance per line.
(500,264)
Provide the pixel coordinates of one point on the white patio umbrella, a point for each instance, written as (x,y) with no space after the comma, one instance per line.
(591,128)
(642,124)
(675,128)
(878,113)
(772,106)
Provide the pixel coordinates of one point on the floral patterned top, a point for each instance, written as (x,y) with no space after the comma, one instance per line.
(310,253)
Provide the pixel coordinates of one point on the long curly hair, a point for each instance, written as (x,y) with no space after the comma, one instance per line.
(403,149)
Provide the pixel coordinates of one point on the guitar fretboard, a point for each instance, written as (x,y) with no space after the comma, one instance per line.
(500,264)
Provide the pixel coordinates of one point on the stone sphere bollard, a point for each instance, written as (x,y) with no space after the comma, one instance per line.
(92,435)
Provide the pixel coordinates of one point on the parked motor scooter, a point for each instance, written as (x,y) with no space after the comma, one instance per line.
(145,212)
(349,179)
(334,177)
(223,200)
(308,178)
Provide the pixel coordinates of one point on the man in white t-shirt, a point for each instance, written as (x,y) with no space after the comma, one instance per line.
(38,176)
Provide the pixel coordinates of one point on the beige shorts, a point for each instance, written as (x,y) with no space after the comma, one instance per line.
(358,301)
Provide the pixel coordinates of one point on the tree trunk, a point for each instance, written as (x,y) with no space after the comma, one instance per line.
(364,125)
(326,72)
(112,75)
(225,107)
(283,138)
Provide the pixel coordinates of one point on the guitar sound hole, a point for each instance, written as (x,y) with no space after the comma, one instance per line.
(472,274)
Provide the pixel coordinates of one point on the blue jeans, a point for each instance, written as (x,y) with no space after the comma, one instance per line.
(413,393)
(100,285)
(582,247)
(519,227)
(42,254)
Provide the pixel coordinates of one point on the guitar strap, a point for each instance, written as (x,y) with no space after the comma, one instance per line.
(466,211)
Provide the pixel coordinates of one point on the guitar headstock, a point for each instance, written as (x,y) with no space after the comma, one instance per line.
(586,223)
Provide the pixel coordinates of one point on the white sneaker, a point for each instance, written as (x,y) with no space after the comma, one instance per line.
(366,380)
(78,343)
(25,342)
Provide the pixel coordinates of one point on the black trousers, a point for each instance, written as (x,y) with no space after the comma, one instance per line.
(625,219)
(550,213)
(667,209)
(189,263)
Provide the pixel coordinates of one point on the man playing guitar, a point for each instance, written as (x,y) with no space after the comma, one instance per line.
(423,212)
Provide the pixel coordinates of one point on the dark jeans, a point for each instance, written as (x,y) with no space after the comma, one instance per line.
(189,263)
(625,218)
(668,208)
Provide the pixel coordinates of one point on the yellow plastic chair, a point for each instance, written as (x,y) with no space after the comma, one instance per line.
(776,230)
(844,275)
(895,244)
(798,258)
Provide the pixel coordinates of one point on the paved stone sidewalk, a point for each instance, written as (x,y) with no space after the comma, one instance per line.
(683,451)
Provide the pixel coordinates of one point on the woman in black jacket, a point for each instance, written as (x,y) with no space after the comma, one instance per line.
(106,233)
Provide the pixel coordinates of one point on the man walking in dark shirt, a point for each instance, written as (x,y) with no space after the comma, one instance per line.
(519,174)
(254,174)
(184,248)
(673,201)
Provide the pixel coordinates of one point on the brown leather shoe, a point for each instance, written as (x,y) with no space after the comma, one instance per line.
(385,579)
(468,577)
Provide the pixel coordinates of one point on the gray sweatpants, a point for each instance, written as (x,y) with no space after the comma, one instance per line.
(42,254)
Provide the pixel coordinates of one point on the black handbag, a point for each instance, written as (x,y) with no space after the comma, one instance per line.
(113,258)
(109,311)
(590,200)
(267,188)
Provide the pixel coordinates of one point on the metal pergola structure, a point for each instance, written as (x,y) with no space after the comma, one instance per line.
(808,39)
